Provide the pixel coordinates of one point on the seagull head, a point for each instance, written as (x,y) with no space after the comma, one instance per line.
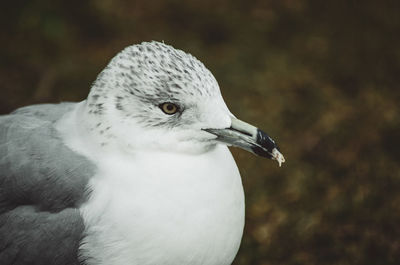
(152,96)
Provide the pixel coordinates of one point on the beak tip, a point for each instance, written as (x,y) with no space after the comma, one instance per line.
(276,155)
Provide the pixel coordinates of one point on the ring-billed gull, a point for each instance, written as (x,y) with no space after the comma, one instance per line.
(138,173)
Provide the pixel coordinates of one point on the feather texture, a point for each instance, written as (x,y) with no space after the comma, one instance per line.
(42,182)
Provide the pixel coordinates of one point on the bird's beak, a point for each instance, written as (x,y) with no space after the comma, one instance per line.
(250,138)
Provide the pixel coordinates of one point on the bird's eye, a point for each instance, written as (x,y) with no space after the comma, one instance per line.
(169,108)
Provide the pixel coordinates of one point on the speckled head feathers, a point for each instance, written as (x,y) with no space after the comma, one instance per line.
(152,72)
(128,93)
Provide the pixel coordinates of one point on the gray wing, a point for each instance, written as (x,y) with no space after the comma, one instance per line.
(42,182)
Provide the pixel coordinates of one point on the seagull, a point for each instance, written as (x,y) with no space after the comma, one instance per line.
(138,173)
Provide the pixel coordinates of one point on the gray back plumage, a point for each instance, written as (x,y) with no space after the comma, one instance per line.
(42,182)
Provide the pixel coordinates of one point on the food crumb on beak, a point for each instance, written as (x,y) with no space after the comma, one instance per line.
(276,155)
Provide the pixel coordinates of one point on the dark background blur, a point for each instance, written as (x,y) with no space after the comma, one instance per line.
(321,77)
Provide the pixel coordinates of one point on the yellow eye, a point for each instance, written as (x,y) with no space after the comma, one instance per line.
(169,108)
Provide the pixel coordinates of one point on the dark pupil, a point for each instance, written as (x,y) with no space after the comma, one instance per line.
(170,107)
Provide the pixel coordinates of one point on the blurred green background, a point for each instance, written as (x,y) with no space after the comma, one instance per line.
(321,77)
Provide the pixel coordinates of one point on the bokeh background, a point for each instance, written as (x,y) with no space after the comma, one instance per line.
(321,77)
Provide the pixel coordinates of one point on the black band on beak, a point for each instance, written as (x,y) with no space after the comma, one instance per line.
(266,144)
